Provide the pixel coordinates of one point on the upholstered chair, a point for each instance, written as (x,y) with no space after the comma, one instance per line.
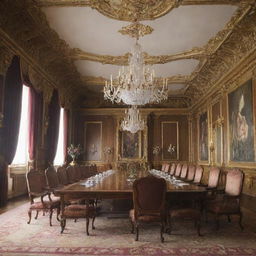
(77,211)
(163,167)
(149,203)
(198,175)
(184,171)
(62,175)
(172,169)
(178,170)
(37,194)
(214,176)
(78,172)
(167,168)
(71,173)
(228,203)
(52,179)
(191,173)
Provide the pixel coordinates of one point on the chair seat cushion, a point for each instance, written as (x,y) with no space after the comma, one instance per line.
(45,205)
(186,213)
(144,218)
(79,211)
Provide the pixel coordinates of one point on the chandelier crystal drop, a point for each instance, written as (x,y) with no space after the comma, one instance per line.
(136,83)
(132,121)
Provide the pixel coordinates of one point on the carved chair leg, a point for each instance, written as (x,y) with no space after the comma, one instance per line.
(50,217)
(58,214)
(36,214)
(93,219)
(137,231)
(162,231)
(62,224)
(240,221)
(29,216)
(198,227)
(87,225)
(132,230)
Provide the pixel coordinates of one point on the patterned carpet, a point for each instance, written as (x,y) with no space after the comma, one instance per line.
(113,237)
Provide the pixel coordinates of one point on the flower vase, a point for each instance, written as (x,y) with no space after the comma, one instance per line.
(73,161)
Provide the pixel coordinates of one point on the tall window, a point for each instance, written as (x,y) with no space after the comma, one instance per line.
(59,157)
(21,155)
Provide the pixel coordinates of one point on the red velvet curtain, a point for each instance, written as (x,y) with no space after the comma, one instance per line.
(11,122)
(65,143)
(35,118)
(53,128)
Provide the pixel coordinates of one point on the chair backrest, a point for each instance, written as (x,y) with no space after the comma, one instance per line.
(78,172)
(178,170)
(172,170)
(191,172)
(214,176)
(71,173)
(184,171)
(52,177)
(234,182)
(198,174)
(163,167)
(167,168)
(35,182)
(149,195)
(62,175)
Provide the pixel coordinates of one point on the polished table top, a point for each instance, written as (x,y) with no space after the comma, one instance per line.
(115,182)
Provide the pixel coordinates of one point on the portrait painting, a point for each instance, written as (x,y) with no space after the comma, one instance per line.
(130,145)
(203,137)
(240,116)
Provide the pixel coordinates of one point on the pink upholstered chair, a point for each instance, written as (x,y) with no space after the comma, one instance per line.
(163,167)
(167,168)
(214,176)
(184,171)
(191,173)
(178,170)
(37,193)
(52,179)
(172,170)
(198,175)
(229,202)
(62,175)
(149,203)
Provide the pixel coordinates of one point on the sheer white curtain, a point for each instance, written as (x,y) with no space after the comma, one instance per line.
(21,155)
(59,157)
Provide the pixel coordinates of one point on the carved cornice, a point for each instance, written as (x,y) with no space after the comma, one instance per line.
(194,53)
(136,30)
(129,10)
(5,59)
(240,44)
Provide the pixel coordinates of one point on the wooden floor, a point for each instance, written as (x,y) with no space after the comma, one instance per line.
(13,203)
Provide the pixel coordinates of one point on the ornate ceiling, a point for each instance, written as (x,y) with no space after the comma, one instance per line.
(79,44)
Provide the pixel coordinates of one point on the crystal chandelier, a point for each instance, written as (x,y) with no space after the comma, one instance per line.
(136,83)
(132,121)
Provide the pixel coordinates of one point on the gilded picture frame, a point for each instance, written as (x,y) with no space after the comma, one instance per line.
(203,137)
(241,125)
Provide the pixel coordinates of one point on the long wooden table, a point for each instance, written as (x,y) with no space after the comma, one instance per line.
(117,186)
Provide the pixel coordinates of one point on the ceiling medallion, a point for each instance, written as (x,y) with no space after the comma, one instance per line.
(132,121)
(136,30)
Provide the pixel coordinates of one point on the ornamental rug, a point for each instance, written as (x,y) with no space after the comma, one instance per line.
(113,237)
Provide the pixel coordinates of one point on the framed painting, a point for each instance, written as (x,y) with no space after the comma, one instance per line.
(241,124)
(203,137)
(130,145)
(170,140)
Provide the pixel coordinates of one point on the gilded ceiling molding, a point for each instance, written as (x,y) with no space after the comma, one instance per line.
(201,82)
(194,53)
(225,68)
(136,30)
(129,10)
